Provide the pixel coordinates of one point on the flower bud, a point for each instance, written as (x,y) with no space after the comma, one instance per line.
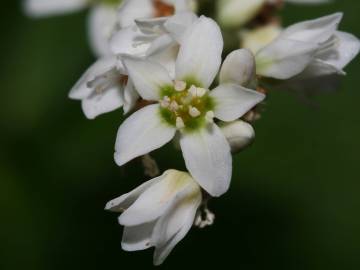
(239,134)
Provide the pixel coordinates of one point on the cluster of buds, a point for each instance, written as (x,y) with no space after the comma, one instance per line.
(161,62)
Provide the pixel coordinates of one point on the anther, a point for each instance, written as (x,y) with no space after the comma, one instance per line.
(209,116)
(179,123)
(179,86)
(193,90)
(194,112)
(174,106)
(200,92)
(165,103)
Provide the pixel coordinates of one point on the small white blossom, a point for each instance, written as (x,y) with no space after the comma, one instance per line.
(205,149)
(103,88)
(306,52)
(159,213)
(236,13)
(314,44)
(106,87)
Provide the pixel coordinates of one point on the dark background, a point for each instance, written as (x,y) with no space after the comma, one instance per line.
(294,201)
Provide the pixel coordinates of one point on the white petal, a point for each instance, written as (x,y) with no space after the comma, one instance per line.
(235,13)
(200,52)
(345,48)
(238,68)
(152,26)
(130,40)
(143,132)
(137,237)
(178,24)
(104,102)
(148,77)
(284,58)
(233,101)
(208,159)
(41,8)
(130,10)
(173,219)
(165,54)
(101,66)
(175,223)
(102,21)
(123,202)
(160,44)
(153,203)
(315,31)
(130,96)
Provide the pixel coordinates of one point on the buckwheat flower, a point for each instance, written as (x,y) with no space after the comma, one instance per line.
(236,13)
(159,213)
(156,39)
(101,22)
(104,87)
(185,104)
(308,49)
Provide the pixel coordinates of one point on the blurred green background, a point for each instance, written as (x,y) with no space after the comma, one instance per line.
(295,196)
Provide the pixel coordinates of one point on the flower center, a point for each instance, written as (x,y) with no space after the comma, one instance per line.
(163,9)
(186,106)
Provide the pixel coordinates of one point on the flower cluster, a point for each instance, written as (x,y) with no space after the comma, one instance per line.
(162,64)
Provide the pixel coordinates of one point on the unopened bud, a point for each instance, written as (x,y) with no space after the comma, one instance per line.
(239,134)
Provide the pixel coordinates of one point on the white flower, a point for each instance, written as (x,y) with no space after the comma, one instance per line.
(312,48)
(103,88)
(159,213)
(101,22)
(185,104)
(236,13)
(106,87)
(156,39)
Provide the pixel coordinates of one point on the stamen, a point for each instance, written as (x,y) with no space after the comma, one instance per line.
(174,106)
(210,116)
(180,85)
(200,92)
(193,90)
(194,112)
(165,103)
(180,123)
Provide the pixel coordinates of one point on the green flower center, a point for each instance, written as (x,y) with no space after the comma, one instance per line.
(186,108)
